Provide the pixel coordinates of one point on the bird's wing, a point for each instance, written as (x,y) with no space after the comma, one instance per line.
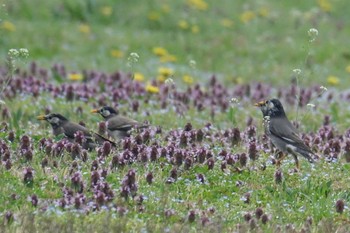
(121,123)
(71,128)
(100,139)
(283,129)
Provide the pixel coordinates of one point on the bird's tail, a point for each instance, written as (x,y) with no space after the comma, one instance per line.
(308,155)
(100,139)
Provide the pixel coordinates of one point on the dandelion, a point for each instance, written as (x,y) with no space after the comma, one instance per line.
(152,89)
(183,24)
(139,77)
(247,16)
(8,26)
(263,12)
(313,33)
(160,51)
(168,58)
(195,29)
(164,71)
(228,23)
(333,80)
(84,28)
(75,77)
(198,4)
(187,79)
(166,8)
(116,53)
(325,5)
(348,69)
(154,16)
(161,78)
(106,10)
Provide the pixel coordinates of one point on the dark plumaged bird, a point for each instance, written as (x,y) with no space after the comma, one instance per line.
(61,125)
(281,131)
(118,127)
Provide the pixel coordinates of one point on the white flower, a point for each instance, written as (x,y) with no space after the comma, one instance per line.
(297,71)
(23,52)
(309,105)
(169,81)
(234,100)
(133,58)
(324,89)
(313,33)
(192,63)
(13,53)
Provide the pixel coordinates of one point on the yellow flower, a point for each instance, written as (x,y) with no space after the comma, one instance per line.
(198,4)
(8,26)
(226,23)
(168,58)
(187,79)
(84,28)
(333,80)
(325,5)
(151,89)
(183,24)
(159,51)
(195,29)
(75,77)
(237,80)
(161,78)
(166,72)
(166,8)
(139,77)
(247,16)
(348,68)
(154,16)
(106,10)
(264,12)
(116,53)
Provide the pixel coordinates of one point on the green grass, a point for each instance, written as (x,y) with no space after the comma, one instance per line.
(265,49)
(278,42)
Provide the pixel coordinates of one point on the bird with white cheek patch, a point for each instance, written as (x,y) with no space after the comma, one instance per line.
(118,127)
(281,131)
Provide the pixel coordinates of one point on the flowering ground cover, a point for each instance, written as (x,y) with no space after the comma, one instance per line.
(192,70)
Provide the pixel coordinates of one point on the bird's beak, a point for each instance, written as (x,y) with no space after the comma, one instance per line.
(261,103)
(41,117)
(94,111)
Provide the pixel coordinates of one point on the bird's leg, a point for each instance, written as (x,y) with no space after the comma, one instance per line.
(296,161)
(280,156)
(291,151)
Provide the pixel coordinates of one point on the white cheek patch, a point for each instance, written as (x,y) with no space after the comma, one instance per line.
(271,105)
(54,120)
(106,113)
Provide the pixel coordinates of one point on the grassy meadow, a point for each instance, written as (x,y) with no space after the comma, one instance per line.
(192,70)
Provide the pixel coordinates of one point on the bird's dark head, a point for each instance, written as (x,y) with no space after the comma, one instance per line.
(105,111)
(271,108)
(54,119)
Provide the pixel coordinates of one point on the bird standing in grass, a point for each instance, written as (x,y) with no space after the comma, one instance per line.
(118,127)
(61,125)
(281,131)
